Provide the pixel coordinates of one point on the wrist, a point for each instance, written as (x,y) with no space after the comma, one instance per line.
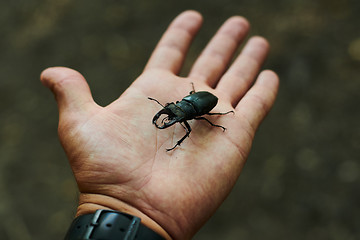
(89,203)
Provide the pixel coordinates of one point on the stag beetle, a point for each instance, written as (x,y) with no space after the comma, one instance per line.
(190,107)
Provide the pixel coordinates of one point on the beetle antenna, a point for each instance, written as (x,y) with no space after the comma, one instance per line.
(156,101)
(193,88)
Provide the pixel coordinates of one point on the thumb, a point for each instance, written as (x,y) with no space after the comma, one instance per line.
(72,93)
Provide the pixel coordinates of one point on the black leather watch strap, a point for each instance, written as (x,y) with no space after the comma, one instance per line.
(109,225)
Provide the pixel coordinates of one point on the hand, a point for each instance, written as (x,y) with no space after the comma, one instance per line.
(119,157)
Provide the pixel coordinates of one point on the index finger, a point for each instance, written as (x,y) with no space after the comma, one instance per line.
(171,50)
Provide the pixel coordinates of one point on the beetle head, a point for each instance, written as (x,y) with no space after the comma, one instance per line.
(167,121)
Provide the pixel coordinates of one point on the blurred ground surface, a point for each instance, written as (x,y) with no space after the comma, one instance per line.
(302,180)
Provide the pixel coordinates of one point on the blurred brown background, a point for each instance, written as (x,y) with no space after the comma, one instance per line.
(302,179)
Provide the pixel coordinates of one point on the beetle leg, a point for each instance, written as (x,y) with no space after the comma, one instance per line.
(156,101)
(188,130)
(214,125)
(220,113)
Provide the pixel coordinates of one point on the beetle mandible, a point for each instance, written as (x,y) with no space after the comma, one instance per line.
(190,107)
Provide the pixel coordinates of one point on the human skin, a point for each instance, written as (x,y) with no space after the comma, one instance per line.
(119,158)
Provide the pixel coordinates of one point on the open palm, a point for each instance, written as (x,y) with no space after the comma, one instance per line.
(119,158)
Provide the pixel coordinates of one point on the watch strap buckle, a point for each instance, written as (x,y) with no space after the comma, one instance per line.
(130,232)
(108,225)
